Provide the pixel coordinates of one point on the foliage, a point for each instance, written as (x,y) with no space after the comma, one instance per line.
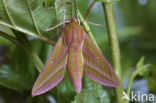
(96,93)
(22,33)
(148,71)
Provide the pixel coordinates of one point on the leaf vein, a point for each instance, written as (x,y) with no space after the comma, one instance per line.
(33,18)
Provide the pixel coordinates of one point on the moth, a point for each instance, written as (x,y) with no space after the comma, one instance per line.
(74,52)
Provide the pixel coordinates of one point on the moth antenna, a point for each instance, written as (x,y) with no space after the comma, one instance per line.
(91,23)
(47,29)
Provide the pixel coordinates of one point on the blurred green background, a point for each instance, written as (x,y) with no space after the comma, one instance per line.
(136,26)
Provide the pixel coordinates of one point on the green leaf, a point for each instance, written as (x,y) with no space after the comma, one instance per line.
(48,3)
(31,18)
(147,71)
(139,69)
(17,75)
(21,73)
(64,92)
(92,93)
(151,84)
(38,99)
(140,62)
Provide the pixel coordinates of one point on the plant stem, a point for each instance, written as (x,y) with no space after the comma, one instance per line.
(139,68)
(88,11)
(87,28)
(114,44)
(27,32)
(131,79)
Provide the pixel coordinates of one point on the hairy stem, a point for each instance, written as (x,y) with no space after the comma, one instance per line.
(114,44)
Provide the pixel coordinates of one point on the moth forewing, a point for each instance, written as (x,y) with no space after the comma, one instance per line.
(74,51)
(53,71)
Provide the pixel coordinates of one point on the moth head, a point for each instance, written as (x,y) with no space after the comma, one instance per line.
(72,19)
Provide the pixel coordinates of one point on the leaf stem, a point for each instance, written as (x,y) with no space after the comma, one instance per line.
(27,32)
(56,15)
(114,44)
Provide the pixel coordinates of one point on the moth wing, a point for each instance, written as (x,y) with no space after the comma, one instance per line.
(97,68)
(53,71)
